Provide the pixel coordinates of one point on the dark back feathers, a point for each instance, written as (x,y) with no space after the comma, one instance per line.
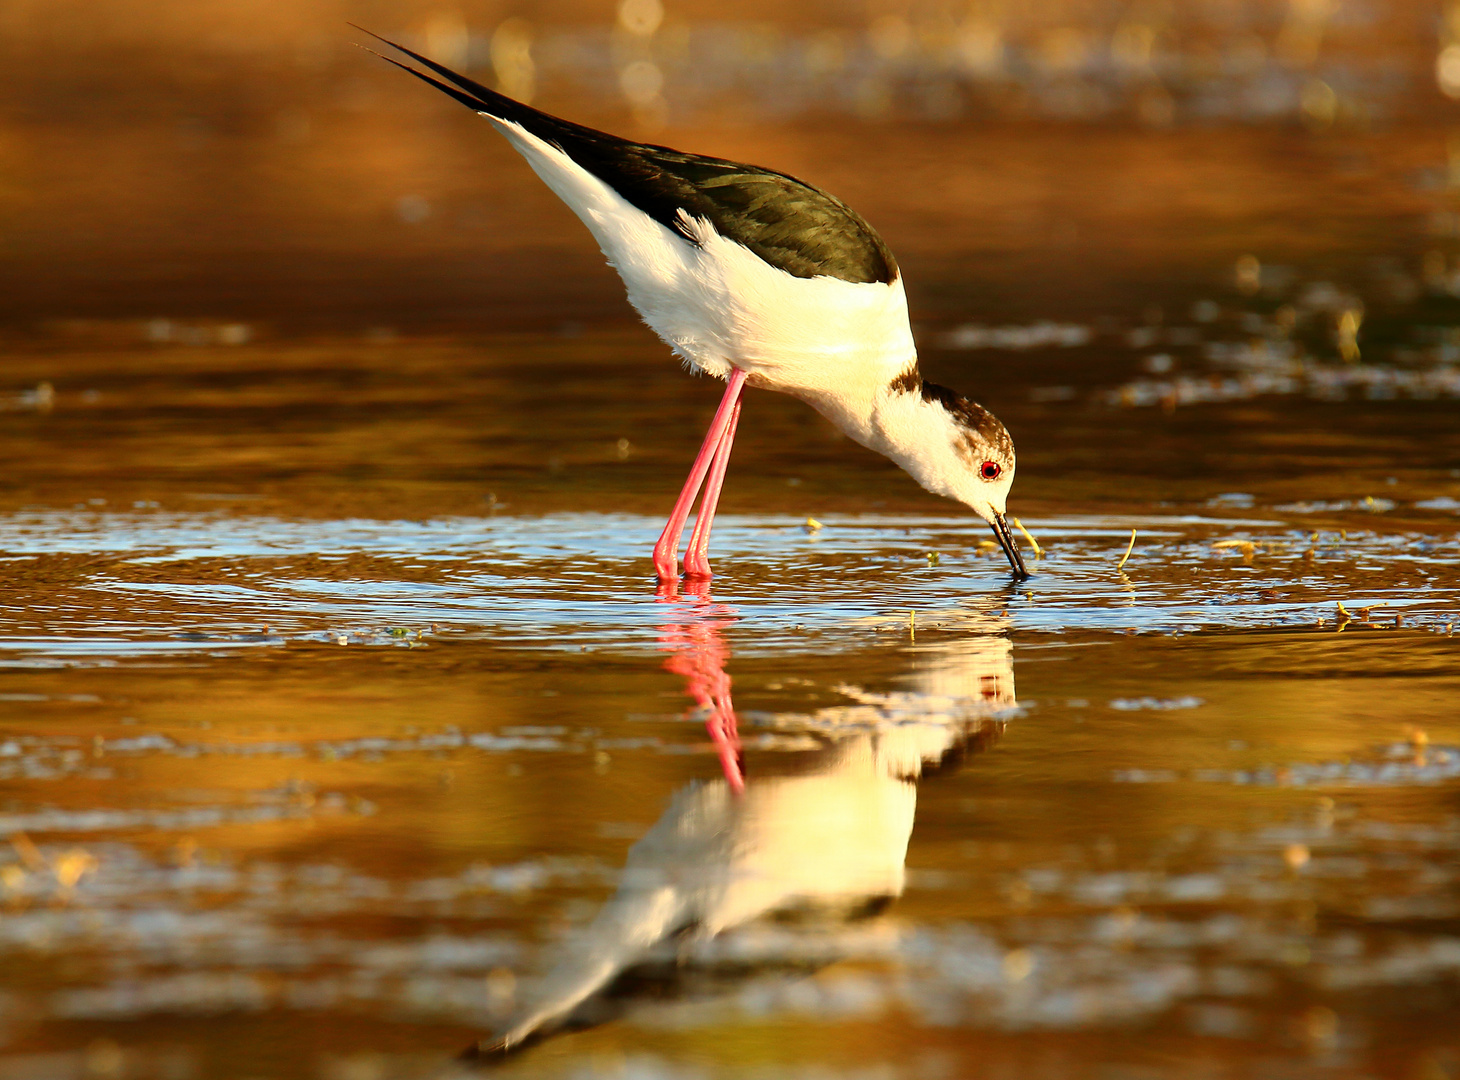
(788,223)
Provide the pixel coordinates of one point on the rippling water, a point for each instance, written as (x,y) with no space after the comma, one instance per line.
(342,724)
(188,582)
(310,778)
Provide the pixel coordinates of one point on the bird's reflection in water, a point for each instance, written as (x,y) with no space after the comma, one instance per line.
(825,837)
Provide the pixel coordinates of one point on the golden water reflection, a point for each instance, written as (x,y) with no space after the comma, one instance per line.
(827,839)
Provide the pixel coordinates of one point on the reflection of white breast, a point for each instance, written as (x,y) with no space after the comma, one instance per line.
(835,835)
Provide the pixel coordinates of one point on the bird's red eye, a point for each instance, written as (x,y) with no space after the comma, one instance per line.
(990,470)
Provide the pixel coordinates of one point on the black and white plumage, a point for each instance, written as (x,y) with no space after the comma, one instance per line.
(829,836)
(753,276)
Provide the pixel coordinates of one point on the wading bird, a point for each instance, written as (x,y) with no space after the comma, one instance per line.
(760,279)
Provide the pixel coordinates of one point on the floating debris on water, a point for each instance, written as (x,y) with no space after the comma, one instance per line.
(1038,552)
(1128,549)
(1246,547)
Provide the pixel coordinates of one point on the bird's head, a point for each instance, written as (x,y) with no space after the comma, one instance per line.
(980,469)
(985,485)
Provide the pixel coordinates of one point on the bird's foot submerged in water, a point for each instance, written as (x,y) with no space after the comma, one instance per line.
(708,471)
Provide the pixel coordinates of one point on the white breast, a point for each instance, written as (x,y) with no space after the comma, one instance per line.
(718,304)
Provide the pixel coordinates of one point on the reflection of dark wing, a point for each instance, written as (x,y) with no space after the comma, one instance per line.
(666,979)
(971,741)
(789,224)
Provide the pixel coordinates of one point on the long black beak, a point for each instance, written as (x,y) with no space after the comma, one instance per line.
(1011,548)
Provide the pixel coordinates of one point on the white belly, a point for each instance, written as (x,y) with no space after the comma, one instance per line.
(719,306)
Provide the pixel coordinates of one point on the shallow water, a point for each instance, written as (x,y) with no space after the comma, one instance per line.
(310,776)
(338,708)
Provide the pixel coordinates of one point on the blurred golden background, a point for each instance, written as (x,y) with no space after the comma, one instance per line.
(246,165)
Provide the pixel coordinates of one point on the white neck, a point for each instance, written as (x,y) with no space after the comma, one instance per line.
(918,435)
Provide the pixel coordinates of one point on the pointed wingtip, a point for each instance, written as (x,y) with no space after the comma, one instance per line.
(375,52)
(377,37)
(385,41)
(469,92)
(372,33)
(473,102)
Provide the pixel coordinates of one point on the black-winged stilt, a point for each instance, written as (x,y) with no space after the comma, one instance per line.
(756,277)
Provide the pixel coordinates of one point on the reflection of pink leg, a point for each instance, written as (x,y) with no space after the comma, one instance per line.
(725,734)
(698,589)
(697,555)
(714,689)
(666,551)
(700,655)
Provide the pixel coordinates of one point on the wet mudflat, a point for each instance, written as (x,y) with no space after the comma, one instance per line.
(341,722)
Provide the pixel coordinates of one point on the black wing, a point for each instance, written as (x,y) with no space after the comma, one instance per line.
(789,224)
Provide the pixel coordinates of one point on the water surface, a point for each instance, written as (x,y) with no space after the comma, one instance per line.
(341,722)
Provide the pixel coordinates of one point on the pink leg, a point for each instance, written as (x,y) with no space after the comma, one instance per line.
(666,551)
(697,555)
